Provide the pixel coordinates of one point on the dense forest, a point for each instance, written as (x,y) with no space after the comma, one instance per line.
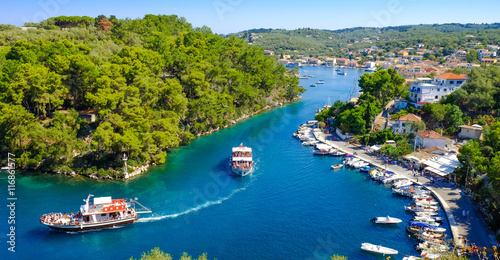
(315,42)
(76,93)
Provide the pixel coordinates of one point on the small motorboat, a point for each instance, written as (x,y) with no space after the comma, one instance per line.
(365,168)
(428,218)
(386,220)
(421,208)
(423,213)
(313,85)
(426,202)
(430,246)
(337,166)
(378,249)
(337,153)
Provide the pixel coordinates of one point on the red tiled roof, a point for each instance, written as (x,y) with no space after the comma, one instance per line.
(449,75)
(430,134)
(410,117)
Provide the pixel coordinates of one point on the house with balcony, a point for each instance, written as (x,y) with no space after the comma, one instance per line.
(426,90)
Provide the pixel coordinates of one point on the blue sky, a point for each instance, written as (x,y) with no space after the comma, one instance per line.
(227,16)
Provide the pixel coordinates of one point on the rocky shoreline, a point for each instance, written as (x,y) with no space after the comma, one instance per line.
(138,170)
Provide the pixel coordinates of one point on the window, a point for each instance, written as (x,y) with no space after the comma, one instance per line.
(418,89)
(451,82)
(459,82)
(444,90)
(436,97)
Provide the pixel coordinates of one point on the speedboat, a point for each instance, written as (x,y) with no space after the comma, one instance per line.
(386,220)
(313,85)
(337,166)
(378,249)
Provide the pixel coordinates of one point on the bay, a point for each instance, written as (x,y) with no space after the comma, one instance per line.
(291,207)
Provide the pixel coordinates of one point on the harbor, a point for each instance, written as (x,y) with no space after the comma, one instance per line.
(453,200)
(291,204)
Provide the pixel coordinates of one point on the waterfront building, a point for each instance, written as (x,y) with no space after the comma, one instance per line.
(429,139)
(426,90)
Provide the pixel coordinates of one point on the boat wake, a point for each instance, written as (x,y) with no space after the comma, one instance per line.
(199,207)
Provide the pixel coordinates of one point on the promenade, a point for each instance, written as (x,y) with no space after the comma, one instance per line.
(452,198)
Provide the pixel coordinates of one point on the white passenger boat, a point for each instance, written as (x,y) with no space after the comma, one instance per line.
(378,249)
(241,160)
(103,212)
(386,220)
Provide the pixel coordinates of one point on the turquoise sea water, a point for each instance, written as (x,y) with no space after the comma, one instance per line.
(291,207)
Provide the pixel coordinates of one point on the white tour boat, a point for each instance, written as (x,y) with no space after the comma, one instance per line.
(386,220)
(103,212)
(241,160)
(378,249)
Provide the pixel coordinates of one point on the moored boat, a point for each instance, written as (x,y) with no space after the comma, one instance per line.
(337,166)
(241,160)
(103,212)
(378,249)
(386,220)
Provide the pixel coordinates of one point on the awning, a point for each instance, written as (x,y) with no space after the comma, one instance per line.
(436,171)
(375,147)
(102,200)
(321,146)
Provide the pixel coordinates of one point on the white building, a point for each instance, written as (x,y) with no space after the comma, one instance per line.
(426,90)
(430,138)
(403,125)
(470,132)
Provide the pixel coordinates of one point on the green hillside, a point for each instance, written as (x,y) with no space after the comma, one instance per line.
(151,84)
